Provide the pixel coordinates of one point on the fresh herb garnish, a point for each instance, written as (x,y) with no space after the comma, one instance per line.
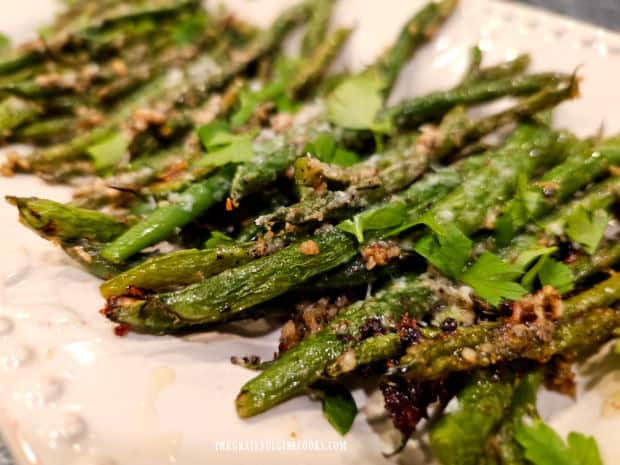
(549,272)
(223,146)
(543,446)
(190,29)
(389,216)
(339,407)
(556,274)
(447,249)
(587,229)
(275,91)
(493,279)
(215,135)
(356,102)
(528,257)
(216,239)
(109,152)
(324,147)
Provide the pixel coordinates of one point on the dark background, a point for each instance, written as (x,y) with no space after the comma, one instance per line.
(601,12)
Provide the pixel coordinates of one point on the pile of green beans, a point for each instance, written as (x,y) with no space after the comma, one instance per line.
(216,179)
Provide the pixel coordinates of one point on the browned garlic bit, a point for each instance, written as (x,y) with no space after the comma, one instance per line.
(545,304)
(309,247)
(379,253)
(309,318)
(142,118)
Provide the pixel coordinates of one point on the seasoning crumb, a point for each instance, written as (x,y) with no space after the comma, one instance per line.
(121,330)
(119,67)
(82,254)
(379,254)
(347,361)
(469,355)
(142,118)
(309,248)
(611,405)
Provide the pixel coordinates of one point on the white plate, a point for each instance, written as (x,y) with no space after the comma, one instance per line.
(73,393)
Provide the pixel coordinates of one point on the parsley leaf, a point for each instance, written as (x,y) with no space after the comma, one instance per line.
(238,151)
(345,157)
(354,227)
(447,249)
(322,147)
(223,146)
(493,279)
(556,274)
(550,272)
(215,134)
(584,449)
(527,257)
(529,278)
(216,239)
(190,29)
(543,446)
(109,152)
(388,216)
(355,102)
(339,407)
(275,91)
(325,149)
(587,229)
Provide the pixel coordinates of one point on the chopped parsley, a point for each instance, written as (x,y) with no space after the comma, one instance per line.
(549,272)
(223,146)
(109,152)
(543,446)
(556,274)
(587,228)
(388,216)
(447,249)
(217,238)
(338,407)
(275,91)
(324,147)
(493,279)
(190,29)
(356,102)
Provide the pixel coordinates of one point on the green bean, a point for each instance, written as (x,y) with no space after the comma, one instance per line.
(179,268)
(225,295)
(584,165)
(15,112)
(585,323)
(413,34)
(455,132)
(56,221)
(311,71)
(316,30)
(459,437)
(163,222)
(297,368)
(417,111)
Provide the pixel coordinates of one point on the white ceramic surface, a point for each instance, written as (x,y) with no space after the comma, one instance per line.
(73,393)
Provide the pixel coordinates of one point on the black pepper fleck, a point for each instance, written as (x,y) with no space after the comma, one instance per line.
(449,325)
